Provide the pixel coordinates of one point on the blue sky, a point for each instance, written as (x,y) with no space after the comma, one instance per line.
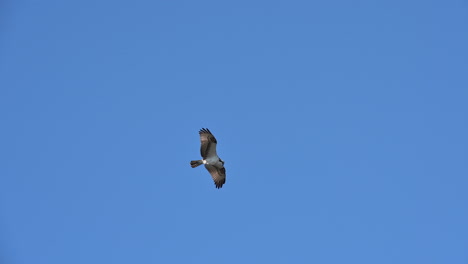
(343,125)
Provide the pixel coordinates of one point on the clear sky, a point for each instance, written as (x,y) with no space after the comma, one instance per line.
(343,125)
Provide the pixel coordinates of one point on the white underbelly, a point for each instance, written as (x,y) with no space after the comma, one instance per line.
(213,161)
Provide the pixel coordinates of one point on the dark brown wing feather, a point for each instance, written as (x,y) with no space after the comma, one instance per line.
(208,143)
(218,175)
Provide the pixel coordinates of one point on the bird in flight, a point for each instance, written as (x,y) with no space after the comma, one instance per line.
(213,163)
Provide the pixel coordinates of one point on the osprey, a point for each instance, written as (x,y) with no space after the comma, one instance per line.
(213,163)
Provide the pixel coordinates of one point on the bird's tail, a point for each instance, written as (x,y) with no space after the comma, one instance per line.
(196,163)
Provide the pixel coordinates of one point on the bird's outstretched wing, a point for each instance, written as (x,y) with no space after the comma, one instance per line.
(208,143)
(218,175)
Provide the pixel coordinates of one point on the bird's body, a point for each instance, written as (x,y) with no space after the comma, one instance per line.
(213,163)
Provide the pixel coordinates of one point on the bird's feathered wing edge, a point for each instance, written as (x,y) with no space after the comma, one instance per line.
(208,143)
(218,175)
